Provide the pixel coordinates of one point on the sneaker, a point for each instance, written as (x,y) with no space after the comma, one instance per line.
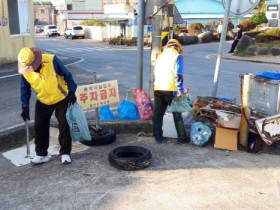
(40,159)
(65,159)
(179,141)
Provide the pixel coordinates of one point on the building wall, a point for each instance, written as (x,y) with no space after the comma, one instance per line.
(129,2)
(44,14)
(10,45)
(85,5)
(193,11)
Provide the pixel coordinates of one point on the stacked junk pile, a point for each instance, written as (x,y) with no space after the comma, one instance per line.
(253,125)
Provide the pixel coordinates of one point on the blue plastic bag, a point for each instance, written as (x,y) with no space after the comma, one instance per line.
(200,134)
(269,75)
(128,111)
(106,114)
(77,122)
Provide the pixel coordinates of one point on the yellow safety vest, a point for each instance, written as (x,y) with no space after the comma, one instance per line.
(49,86)
(164,71)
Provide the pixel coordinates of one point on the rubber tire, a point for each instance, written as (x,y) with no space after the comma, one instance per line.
(130,158)
(108,138)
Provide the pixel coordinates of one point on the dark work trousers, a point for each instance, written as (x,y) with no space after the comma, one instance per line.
(43,115)
(160,104)
(235,42)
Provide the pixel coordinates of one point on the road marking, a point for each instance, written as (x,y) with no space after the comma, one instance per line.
(69,64)
(7,76)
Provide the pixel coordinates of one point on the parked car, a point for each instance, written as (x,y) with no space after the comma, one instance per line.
(51,30)
(39,28)
(74,32)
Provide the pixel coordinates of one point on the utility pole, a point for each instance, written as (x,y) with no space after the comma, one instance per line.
(221,47)
(162,8)
(140,43)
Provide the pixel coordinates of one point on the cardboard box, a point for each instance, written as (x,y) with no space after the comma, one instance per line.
(226,138)
(228,119)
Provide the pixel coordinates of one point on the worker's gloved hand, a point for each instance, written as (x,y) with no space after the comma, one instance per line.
(25,113)
(180,95)
(71,98)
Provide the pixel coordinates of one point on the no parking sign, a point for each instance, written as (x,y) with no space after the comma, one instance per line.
(98,94)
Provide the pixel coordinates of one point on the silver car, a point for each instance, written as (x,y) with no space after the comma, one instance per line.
(74,32)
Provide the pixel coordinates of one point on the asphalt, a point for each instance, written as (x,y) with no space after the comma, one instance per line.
(179,176)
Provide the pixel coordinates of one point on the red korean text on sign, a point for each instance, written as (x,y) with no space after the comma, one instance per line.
(83,97)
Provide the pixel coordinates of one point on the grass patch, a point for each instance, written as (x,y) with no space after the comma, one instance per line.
(243,53)
(269,44)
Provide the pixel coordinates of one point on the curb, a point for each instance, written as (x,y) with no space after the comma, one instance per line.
(17,136)
(243,59)
(249,60)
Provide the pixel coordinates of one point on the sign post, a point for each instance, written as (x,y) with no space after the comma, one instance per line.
(237,8)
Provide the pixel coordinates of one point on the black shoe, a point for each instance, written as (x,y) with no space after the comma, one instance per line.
(179,141)
(230,52)
(159,141)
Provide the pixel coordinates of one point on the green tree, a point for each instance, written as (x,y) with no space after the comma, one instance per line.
(259,18)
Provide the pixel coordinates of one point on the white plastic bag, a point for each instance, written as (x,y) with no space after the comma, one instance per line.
(77,123)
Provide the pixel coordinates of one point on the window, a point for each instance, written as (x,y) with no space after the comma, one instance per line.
(77,28)
(272,8)
(42,11)
(69,6)
(274,15)
(16,9)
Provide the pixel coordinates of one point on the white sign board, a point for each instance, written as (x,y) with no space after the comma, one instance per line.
(98,94)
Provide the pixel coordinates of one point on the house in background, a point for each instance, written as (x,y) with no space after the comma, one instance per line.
(273,13)
(73,12)
(16,28)
(118,16)
(203,11)
(44,13)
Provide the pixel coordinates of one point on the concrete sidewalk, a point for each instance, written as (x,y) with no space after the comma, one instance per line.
(180,177)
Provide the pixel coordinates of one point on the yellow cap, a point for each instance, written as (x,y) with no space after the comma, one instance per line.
(176,42)
(29,59)
(26,56)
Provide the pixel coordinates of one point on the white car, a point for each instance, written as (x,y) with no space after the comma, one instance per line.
(51,30)
(74,32)
(39,28)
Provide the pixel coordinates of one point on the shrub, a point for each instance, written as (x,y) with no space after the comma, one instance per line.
(209,26)
(92,22)
(273,32)
(269,35)
(248,25)
(262,37)
(195,28)
(259,18)
(230,26)
(182,31)
(123,41)
(176,27)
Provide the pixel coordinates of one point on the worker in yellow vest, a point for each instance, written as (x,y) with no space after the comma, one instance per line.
(55,90)
(168,83)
